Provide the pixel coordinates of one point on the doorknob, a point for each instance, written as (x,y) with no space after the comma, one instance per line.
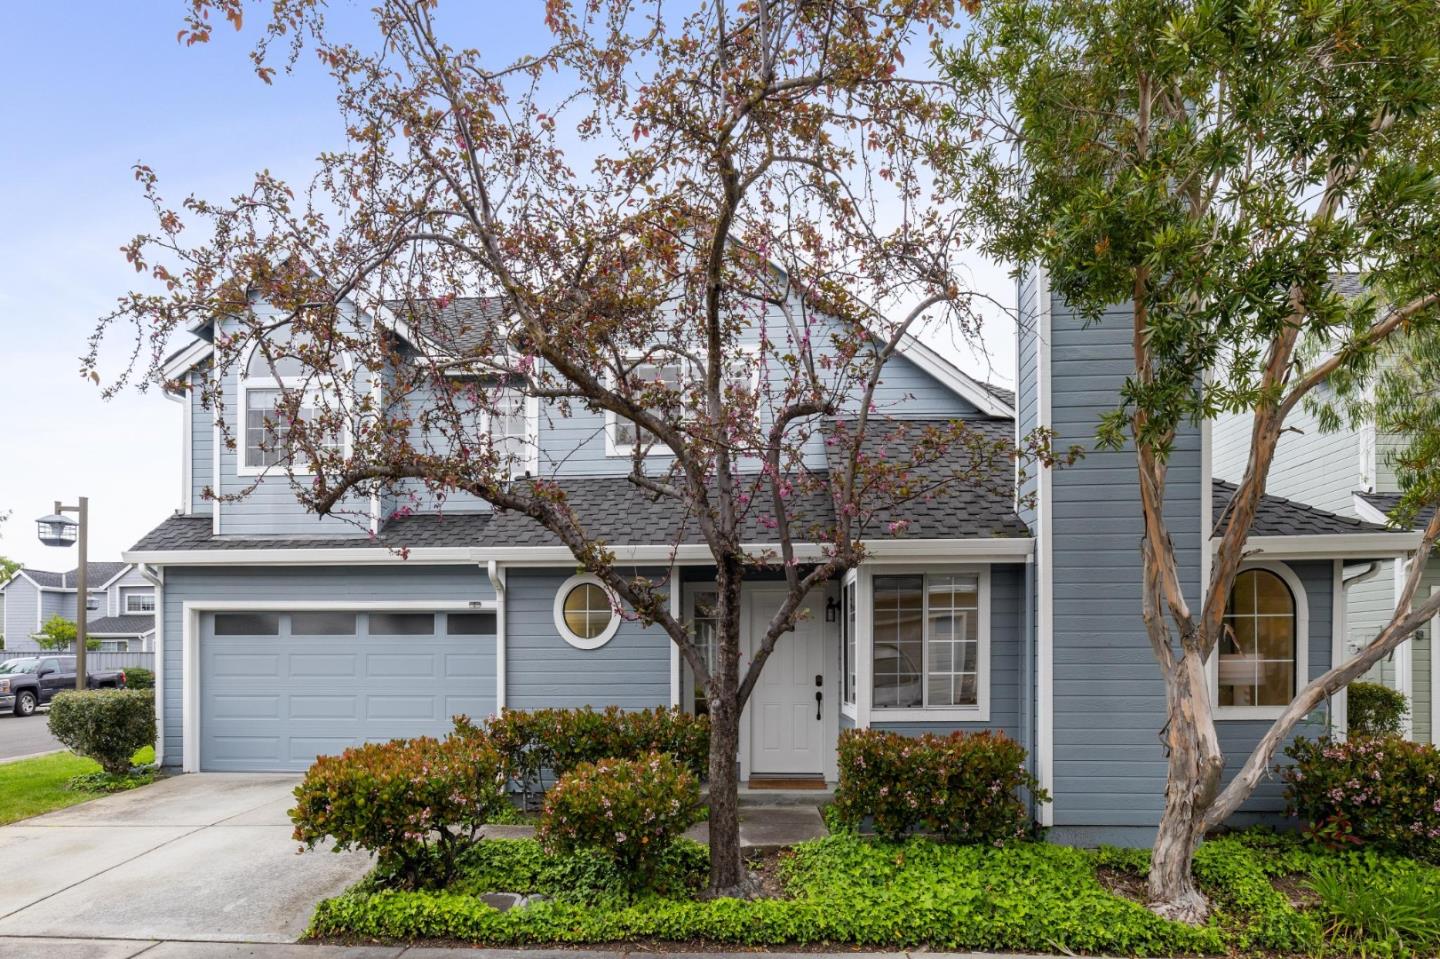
(819,698)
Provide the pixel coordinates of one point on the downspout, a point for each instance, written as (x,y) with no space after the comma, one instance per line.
(1027,670)
(496,572)
(1340,644)
(155,575)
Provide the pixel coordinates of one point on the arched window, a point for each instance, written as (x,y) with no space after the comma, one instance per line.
(1259,652)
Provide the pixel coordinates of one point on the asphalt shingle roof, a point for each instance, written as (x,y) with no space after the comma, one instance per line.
(619,513)
(412,532)
(97,574)
(1001,393)
(461,325)
(120,625)
(1385,502)
(1278,516)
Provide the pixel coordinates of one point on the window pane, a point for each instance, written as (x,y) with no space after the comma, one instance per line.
(899,631)
(954,639)
(470,624)
(402,624)
(140,603)
(1258,656)
(322,624)
(247,624)
(587,611)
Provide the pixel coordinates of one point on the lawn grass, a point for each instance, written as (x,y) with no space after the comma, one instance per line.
(30,787)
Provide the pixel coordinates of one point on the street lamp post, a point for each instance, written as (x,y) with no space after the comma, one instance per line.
(60,530)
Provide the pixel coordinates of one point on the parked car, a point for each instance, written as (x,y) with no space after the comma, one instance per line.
(29,683)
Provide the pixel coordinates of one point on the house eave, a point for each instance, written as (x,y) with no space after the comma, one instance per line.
(1338,546)
(1009,549)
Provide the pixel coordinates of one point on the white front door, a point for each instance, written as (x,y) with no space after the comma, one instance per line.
(787,724)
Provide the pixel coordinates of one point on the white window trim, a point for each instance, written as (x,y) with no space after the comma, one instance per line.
(980,712)
(249,383)
(851,583)
(531,464)
(139,612)
(692,591)
(1302,648)
(612,419)
(580,642)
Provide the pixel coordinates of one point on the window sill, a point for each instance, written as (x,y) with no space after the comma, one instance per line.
(932,714)
(1242,713)
(850,711)
(267,471)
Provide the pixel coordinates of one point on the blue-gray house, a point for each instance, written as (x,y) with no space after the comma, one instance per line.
(283,636)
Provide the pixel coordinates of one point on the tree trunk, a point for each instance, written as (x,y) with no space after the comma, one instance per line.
(1196,764)
(727,869)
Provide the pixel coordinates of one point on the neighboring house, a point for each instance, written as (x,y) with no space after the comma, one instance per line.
(120,608)
(284,635)
(1346,471)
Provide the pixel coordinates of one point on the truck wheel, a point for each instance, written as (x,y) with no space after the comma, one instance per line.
(25,703)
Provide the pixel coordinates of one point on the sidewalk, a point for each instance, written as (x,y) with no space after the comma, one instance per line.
(15,948)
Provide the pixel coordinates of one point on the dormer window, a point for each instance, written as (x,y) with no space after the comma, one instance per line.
(265,428)
(621,434)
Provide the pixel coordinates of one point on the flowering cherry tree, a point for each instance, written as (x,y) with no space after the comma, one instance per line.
(712,226)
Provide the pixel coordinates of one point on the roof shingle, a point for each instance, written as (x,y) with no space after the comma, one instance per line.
(1278,516)
(1386,503)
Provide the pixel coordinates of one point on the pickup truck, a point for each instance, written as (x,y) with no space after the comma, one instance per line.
(31,682)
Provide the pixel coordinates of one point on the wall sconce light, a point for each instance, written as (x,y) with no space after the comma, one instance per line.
(832,610)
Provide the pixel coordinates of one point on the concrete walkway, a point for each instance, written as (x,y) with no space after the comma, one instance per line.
(128,949)
(205,856)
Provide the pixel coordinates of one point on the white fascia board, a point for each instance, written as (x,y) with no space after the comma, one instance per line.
(938,550)
(1366,510)
(187,359)
(113,579)
(1332,546)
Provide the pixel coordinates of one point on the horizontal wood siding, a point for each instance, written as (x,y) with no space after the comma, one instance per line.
(202,443)
(21,602)
(1027,400)
(1006,616)
(632,670)
(202,584)
(1312,466)
(1109,700)
(1238,737)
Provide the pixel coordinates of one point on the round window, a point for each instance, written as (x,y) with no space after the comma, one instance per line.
(584,613)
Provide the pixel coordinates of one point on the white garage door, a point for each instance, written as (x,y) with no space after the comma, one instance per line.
(279,689)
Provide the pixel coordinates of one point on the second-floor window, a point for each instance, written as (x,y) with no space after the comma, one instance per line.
(139,602)
(512,431)
(622,435)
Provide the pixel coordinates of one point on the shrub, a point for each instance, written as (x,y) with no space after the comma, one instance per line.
(137,677)
(559,740)
(1373,709)
(414,803)
(630,810)
(107,725)
(1362,908)
(1384,792)
(964,787)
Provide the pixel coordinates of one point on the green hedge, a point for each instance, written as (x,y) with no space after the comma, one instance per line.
(106,725)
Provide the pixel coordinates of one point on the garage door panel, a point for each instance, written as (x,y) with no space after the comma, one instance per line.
(275,702)
(330,665)
(306,706)
(400,664)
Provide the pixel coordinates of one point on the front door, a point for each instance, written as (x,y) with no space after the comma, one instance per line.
(788,702)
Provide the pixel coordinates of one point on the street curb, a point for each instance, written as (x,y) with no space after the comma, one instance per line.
(15,759)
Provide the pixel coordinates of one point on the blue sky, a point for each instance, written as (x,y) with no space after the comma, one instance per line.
(92,87)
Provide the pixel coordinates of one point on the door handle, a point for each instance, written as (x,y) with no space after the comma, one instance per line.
(819,698)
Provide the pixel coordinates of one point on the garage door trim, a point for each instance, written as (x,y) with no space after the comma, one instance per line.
(191,612)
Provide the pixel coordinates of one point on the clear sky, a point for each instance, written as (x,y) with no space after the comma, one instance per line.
(91,88)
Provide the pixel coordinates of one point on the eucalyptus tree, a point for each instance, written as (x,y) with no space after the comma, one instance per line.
(740,192)
(1211,163)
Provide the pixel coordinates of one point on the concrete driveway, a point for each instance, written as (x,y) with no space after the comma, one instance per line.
(205,856)
(22,736)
